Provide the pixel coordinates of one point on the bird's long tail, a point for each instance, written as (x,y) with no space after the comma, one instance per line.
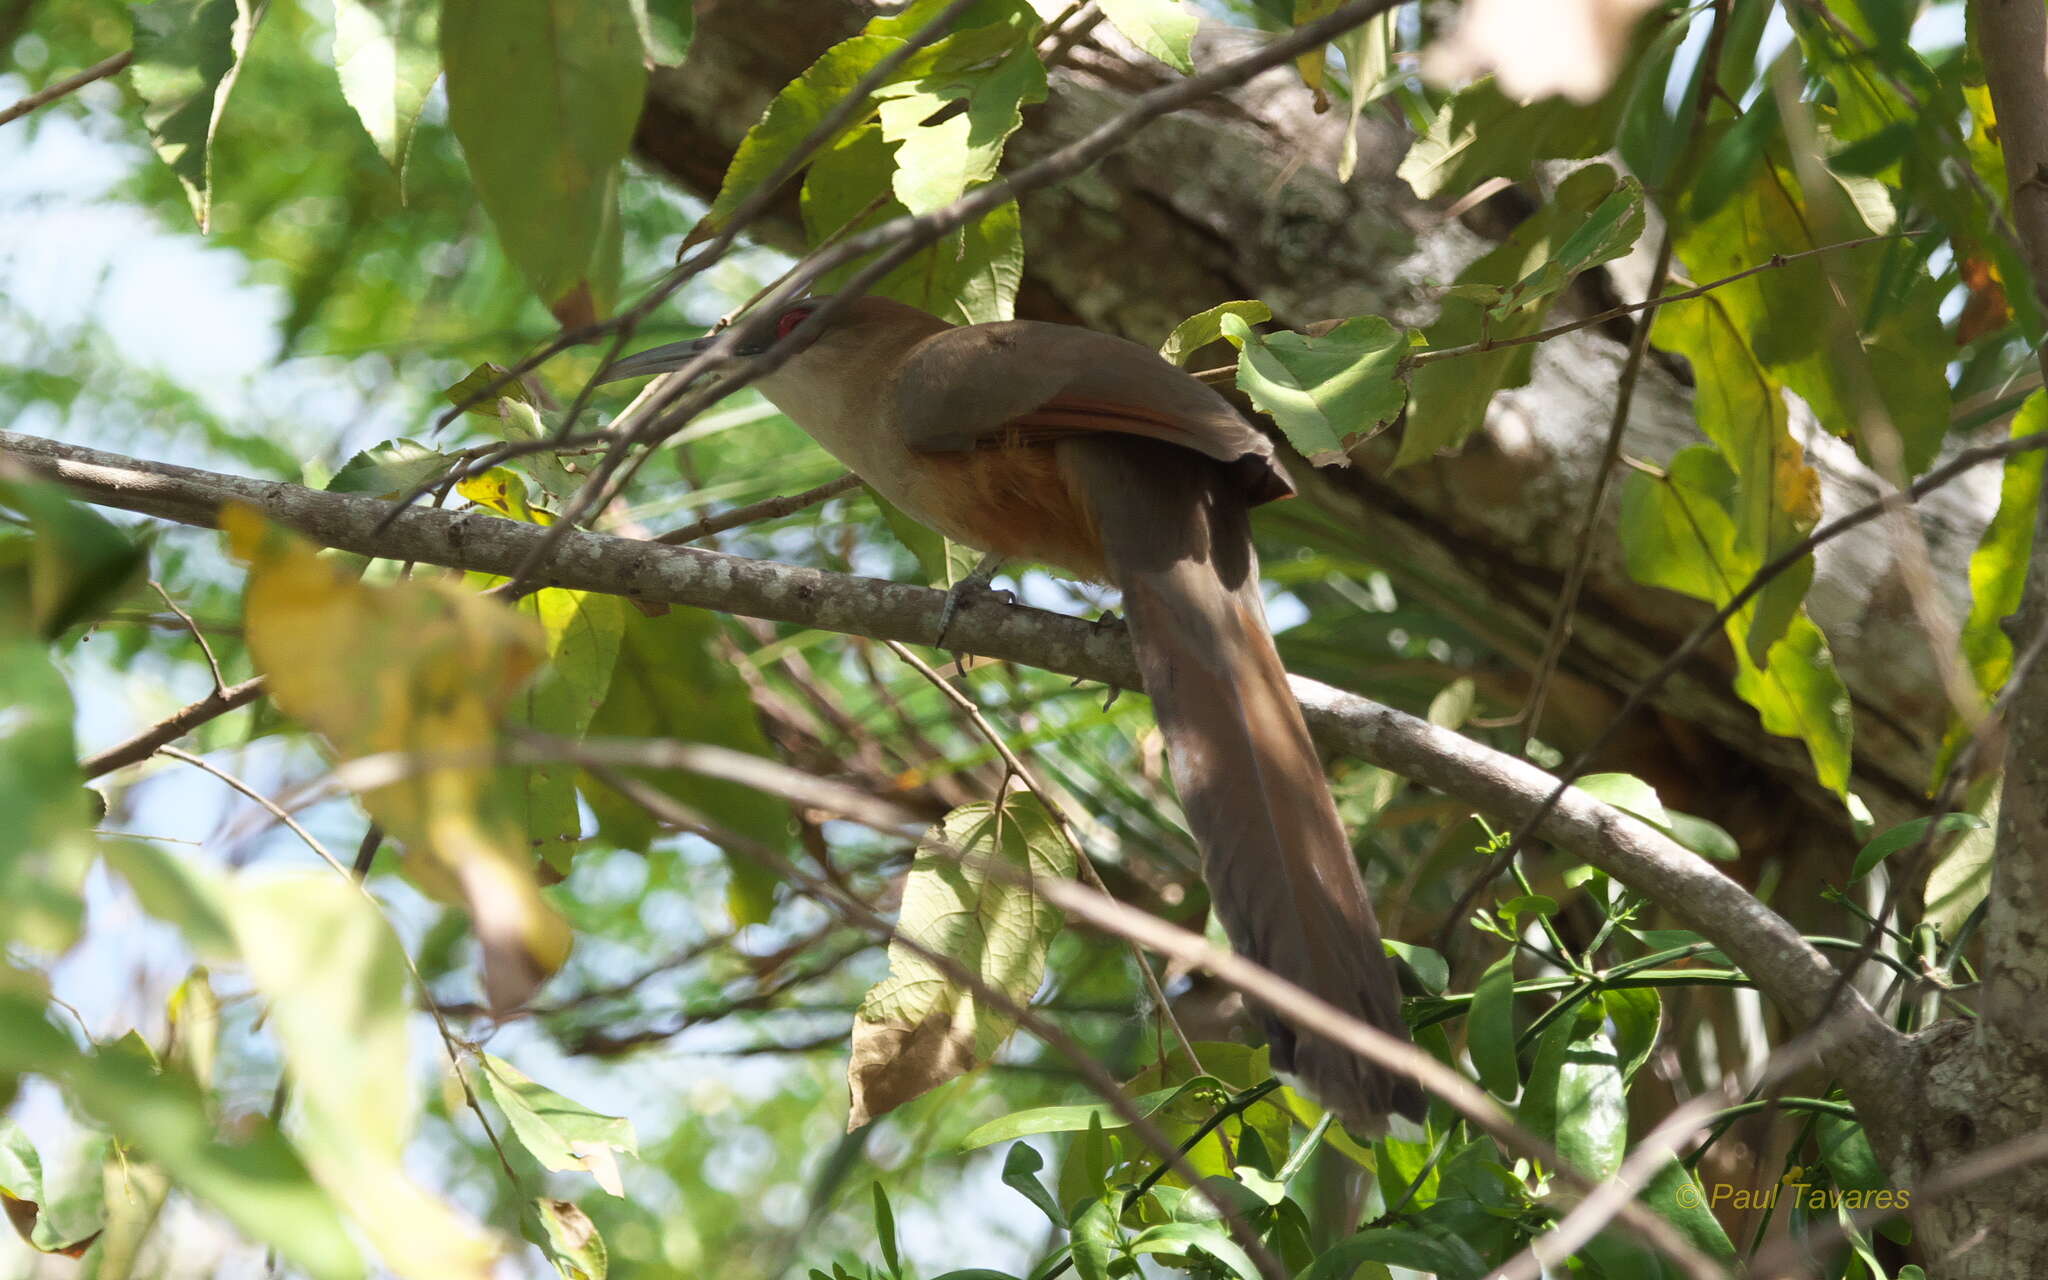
(1176,535)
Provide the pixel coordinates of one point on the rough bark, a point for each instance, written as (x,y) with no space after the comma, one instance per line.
(1985,1082)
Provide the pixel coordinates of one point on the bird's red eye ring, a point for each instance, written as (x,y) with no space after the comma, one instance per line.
(790,320)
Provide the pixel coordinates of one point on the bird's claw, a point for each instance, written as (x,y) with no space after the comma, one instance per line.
(974,584)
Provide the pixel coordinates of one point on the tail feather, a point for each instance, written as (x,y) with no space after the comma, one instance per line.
(1279,867)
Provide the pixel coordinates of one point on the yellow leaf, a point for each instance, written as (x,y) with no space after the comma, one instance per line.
(424,669)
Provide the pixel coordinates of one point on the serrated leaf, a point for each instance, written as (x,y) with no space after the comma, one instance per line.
(386,52)
(968,276)
(559,1132)
(424,668)
(1325,393)
(917,1028)
(1203,328)
(939,159)
(187,54)
(544,95)
(1162,28)
(1448,397)
(389,469)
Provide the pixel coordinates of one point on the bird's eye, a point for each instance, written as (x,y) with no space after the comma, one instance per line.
(790,320)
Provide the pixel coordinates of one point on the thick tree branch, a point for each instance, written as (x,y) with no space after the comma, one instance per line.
(1790,971)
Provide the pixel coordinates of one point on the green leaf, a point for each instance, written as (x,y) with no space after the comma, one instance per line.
(1095,1237)
(917,1028)
(1162,28)
(1203,328)
(256,1181)
(1448,397)
(885,1231)
(1676,1196)
(1908,834)
(1020,1173)
(568,1237)
(1677,533)
(1429,967)
(1490,1029)
(43,852)
(1998,567)
(939,159)
(584,630)
(1575,1097)
(560,1133)
(1627,793)
(1481,133)
(1960,881)
(1609,231)
(1177,1239)
(1803,321)
(543,95)
(968,276)
(187,54)
(1428,1249)
(1325,393)
(1636,1013)
(1072,1119)
(671,680)
(1369,57)
(335,980)
(1707,839)
(78,561)
(175,892)
(390,469)
(47,1221)
(387,53)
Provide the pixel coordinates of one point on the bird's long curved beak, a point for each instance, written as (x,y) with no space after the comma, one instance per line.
(666,358)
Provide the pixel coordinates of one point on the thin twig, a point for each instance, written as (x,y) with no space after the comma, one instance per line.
(1631,371)
(50,93)
(1615,313)
(276,811)
(220,683)
(1708,629)
(671,813)
(766,509)
(172,727)
(1017,767)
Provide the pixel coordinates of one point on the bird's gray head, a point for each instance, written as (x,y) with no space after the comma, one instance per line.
(838,326)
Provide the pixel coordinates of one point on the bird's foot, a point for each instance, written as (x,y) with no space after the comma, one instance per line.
(964,591)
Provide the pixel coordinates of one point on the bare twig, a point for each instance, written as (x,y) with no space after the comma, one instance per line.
(1708,629)
(172,727)
(1787,969)
(69,84)
(275,810)
(220,683)
(1016,766)
(767,509)
(671,813)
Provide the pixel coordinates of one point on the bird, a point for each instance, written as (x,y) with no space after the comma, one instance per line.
(1033,441)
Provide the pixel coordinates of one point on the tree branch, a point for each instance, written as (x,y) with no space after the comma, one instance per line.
(1792,973)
